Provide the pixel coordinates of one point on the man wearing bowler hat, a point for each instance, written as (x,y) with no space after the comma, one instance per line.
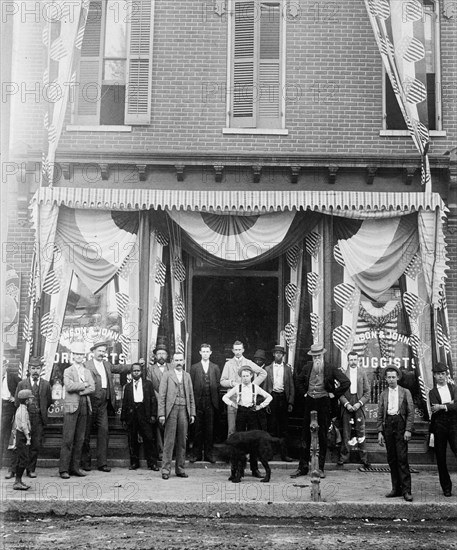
(319,383)
(395,424)
(79,384)
(280,384)
(38,409)
(443,404)
(103,396)
(154,372)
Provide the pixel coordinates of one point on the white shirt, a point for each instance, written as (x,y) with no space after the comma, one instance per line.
(5,391)
(352,371)
(246,397)
(137,391)
(445,394)
(205,365)
(278,377)
(392,403)
(102,372)
(179,375)
(80,370)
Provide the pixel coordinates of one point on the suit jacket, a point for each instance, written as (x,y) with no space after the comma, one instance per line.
(363,389)
(110,369)
(435,399)
(149,402)
(168,392)
(198,382)
(405,408)
(44,395)
(335,381)
(289,388)
(75,389)
(154,374)
(230,372)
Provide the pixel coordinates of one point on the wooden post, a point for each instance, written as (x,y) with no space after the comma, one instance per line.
(315,478)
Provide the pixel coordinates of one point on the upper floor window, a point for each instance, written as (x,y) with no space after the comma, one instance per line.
(393,118)
(257,64)
(115,65)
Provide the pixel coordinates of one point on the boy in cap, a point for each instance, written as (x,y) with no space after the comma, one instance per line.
(23,431)
(443,404)
(395,423)
(246,406)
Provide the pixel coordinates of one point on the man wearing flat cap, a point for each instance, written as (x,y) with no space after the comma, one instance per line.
(103,396)
(395,424)
(231,378)
(38,409)
(79,384)
(319,383)
(154,371)
(280,384)
(443,404)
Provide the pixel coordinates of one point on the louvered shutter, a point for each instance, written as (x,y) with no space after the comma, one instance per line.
(138,104)
(243,67)
(269,90)
(89,90)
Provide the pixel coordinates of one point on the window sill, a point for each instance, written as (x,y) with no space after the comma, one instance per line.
(401,133)
(257,131)
(77,128)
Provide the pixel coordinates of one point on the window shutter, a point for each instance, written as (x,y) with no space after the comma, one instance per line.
(89,90)
(139,76)
(244,56)
(269,89)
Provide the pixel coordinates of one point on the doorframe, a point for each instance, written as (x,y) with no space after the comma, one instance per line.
(208,271)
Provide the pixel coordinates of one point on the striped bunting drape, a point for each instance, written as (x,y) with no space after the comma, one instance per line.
(398,27)
(62,38)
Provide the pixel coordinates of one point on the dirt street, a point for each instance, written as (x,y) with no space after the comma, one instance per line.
(135,533)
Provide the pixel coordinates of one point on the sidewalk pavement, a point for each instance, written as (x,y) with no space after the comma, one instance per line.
(346,493)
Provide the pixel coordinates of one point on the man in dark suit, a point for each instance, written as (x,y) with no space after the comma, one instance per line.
(443,404)
(205,377)
(10,380)
(154,372)
(280,384)
(139,414)
(176,412)
(319,383)
(395,423)
(103,396)
(38,409)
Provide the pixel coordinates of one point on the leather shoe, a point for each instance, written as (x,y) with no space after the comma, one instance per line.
(153,467)
(340,462)
(321,474)
(299,473)
(447,493)
(78,473)
(393,494)
(10,475)
(210,459)
(134,466)
(192,459)
(257,474)
(165,476)
(104,469)
(18,486)
(366,465)
(31,474)
(286,459)
(64,475)
(408,497)
(86,468)
(182,474)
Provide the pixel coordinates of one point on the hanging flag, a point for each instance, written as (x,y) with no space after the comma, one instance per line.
(400,34)
(62,38)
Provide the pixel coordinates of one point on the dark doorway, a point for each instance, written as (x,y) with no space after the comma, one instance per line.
(225,309)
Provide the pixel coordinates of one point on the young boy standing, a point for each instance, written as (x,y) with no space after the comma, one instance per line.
(23,437)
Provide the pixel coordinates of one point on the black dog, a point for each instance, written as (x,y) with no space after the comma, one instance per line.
(258,444)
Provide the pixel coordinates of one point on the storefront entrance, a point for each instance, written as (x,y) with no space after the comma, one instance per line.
(242,306)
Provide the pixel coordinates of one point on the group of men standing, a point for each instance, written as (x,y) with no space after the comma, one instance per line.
(161,400)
